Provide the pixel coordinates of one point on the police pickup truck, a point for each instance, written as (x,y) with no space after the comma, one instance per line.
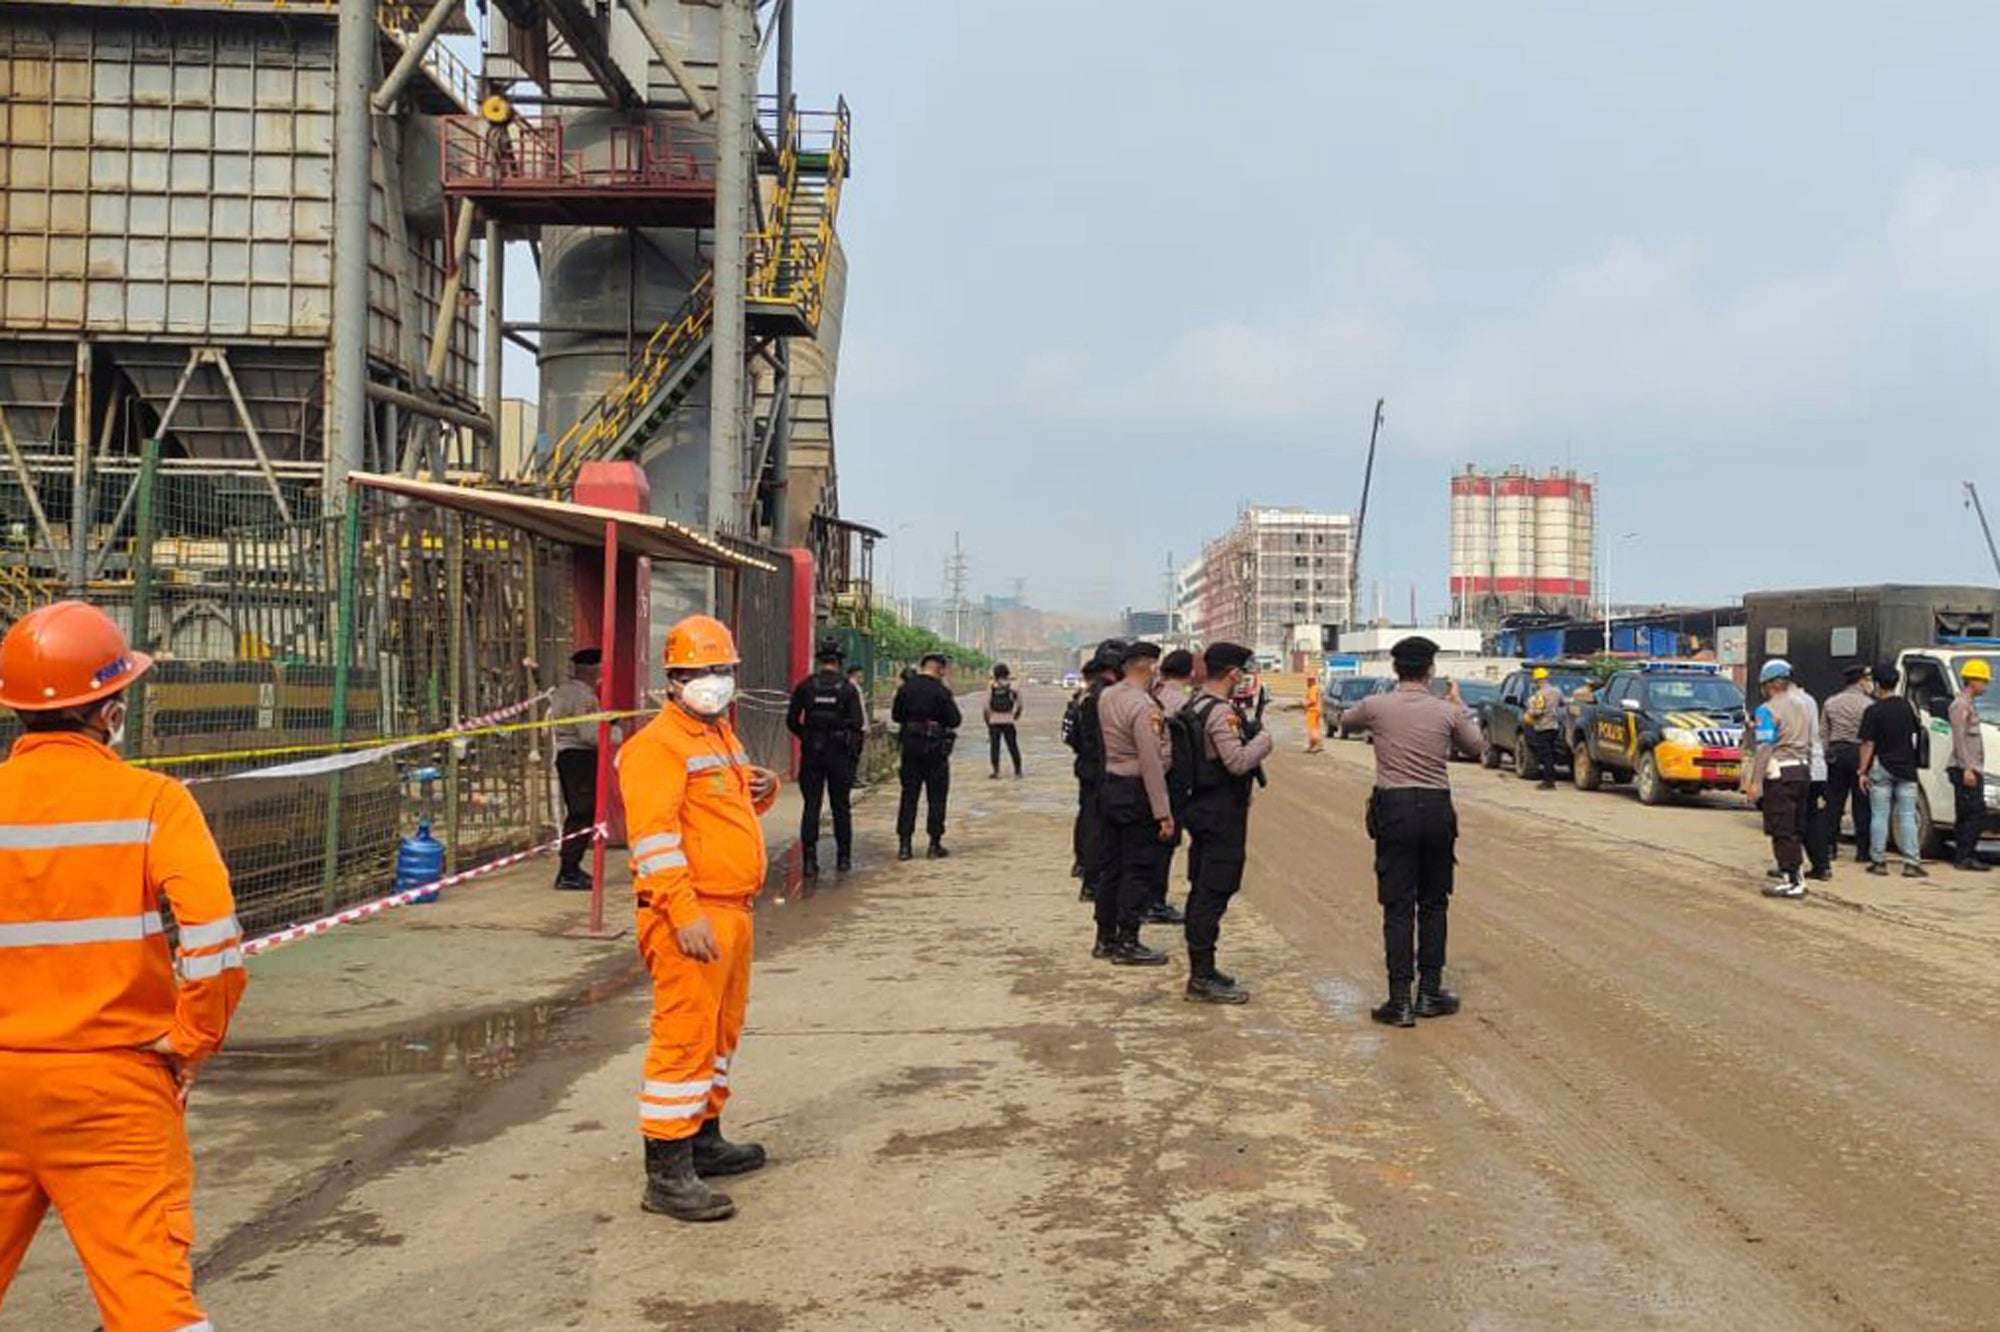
(1670,728)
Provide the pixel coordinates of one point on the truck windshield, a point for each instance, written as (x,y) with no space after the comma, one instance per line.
(1695,693)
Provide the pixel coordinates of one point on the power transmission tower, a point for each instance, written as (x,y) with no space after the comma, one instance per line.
(954,582)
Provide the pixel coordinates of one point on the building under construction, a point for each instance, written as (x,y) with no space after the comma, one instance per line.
(255,251)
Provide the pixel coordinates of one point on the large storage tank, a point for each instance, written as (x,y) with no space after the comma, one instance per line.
(1521,543)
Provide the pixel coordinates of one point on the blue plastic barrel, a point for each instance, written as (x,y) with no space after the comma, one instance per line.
(419,860)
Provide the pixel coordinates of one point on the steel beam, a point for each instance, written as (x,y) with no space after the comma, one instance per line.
(33,496)
(577,26)
(413,54)
(656,37)
(347,388)
(493,253)
(220,359)
(437,411)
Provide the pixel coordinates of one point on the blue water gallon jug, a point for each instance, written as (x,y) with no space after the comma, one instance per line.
(420,860)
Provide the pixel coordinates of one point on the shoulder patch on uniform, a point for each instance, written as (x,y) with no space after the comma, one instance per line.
(1233,721)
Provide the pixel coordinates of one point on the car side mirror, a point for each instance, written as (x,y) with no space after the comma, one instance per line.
(1629,704)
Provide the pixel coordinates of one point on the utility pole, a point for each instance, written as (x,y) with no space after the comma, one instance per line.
(954,582)
(1361,518)
(1972,498)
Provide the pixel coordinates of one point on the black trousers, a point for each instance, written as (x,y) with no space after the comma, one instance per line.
(1968,815)
(1136,857)
(1812,826)
(1416,835)
(1843,792)
(1083,838)
(995,736)
(576,774)
(1218,842)
(1783,817)
(827,774)
(1544,745)
(930,776)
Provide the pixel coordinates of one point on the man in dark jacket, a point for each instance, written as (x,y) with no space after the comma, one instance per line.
(929,718)
(827,717)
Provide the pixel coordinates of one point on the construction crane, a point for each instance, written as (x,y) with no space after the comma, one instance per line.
(1972,499)
(1361,518)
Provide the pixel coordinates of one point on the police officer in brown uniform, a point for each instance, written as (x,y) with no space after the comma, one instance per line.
(1413,824)
(1138,820)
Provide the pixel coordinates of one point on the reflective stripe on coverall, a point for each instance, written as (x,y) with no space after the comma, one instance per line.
(90,851)
(697,851)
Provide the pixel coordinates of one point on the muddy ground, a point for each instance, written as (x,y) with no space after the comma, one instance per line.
(1669,1102)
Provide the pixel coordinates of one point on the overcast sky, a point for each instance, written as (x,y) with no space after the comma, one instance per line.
(1119,267)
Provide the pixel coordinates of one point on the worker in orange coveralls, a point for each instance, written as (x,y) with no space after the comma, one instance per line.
(101,1027)
(1314,731)
(692,799)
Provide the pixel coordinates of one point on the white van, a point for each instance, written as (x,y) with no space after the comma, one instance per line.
(1931,681)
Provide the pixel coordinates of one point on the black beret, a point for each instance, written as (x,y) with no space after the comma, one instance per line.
(587,657)
(1416,650)
(1220,657)
(830,649)
(1141,652)
(1854,671)
(1177,663)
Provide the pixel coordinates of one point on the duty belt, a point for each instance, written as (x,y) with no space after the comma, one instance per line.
(1414,794)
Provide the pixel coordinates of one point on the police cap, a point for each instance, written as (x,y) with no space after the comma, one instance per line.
(1416,650)
(587,657)
(830,649)
(1178,664)
(1140,652)
(1221,657)
(1854,672)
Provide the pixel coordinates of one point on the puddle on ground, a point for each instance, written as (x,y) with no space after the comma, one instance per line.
(492,1047)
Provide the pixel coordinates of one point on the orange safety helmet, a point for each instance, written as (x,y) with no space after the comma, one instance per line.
(700,641)
(64,656)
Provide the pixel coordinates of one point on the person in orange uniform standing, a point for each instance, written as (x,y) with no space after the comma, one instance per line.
(692,799)
(102,1027)
(1314,730)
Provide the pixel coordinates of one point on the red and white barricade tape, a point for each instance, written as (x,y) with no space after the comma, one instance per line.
(367,910)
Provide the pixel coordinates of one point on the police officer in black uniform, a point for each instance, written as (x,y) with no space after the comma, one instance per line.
(929,717)
(1414,826)
(1085,737)
(1227,753)
(830,721)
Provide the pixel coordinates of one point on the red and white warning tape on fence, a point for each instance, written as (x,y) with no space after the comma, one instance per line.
(367,910)
(511,710)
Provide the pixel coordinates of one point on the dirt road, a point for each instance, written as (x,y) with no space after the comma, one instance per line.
(1669,1102)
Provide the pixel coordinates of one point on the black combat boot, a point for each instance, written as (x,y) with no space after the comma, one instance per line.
(903,851)
(809,862)
(1972,863)
(1215,988)
(843,861)
(716,1155)
(1163,913)
(1086,893)
(1433,1000)
(1397,1012)
(936,850)
(1104,948)
(1127,951)
(674,1189)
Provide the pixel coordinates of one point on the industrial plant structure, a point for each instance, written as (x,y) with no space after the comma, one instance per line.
(1277,573)
(1521,544)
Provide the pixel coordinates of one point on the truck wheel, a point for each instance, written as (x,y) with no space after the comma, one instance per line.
(1525,766)
(1930,841)
(1491,758)
(1653,789)
(1584,770)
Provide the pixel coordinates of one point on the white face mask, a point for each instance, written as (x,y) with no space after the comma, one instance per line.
(708,695)
(114,726)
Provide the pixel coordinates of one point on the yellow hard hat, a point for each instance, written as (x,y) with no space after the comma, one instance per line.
(1541,672)
(1977,669)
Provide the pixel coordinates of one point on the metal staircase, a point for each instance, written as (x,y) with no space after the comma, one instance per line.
(786,290)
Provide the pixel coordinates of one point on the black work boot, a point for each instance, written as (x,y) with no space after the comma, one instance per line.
(1103,948)
(843,861)
(1129,952)
(1086,893)
(1215,988)
(809,862)
(1163,913)
(936,850)
(674,1189)
(1397,1012)
(716,1155)
(1433,1000)
(903,851)
(1973,866)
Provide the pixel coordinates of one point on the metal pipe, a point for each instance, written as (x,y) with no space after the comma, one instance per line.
(733,183)
(142,579)
(493,252)
(784,64)
(221,360)
(781,447)
(343,653)
(28,490)
(79,495)
(656,37)
(454,564)
(413,54)
(454,283)
(437,411)
(347,387)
